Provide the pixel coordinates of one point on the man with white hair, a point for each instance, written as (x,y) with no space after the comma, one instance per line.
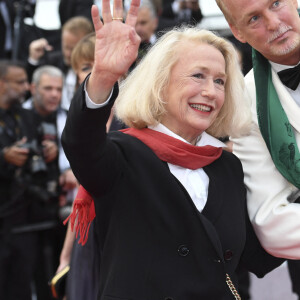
(270,154)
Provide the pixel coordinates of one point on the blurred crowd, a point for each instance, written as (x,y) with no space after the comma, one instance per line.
(40,69)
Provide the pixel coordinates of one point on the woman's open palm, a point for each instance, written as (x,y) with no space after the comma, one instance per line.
(117,43)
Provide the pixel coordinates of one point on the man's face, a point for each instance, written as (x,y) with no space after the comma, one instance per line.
(47,94)
(15,85)
(271,27)
(69,41)
(145,25)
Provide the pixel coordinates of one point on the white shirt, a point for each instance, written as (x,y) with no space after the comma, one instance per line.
(68,89)
(46,14)
(196,182)
(295,94)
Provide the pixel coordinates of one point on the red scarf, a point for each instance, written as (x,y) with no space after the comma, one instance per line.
(167,148)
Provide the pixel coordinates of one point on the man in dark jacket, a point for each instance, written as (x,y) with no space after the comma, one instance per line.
(71,8)
(48,118)
(16,249)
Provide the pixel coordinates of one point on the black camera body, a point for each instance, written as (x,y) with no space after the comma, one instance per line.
(40,180)
(35,163)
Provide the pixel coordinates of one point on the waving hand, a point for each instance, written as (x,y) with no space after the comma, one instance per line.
(116,47)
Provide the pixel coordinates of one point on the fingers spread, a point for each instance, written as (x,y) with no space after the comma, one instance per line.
(96,18)
(106,13)
(118,9)
(133,12)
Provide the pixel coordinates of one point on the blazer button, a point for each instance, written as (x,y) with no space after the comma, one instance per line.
(228,255)
(183,250)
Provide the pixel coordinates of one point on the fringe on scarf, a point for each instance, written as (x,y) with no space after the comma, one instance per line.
(82,215)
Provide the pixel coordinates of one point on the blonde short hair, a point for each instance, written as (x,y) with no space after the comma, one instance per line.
(140,102)
(78,26)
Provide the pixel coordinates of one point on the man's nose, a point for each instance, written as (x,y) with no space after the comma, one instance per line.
(272,21)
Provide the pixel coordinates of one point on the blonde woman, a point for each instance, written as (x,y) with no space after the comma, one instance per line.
(170,205)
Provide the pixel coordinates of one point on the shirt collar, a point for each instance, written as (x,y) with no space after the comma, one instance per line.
(277,67)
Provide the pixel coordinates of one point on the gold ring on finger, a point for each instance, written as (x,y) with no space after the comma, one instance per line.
(117,18)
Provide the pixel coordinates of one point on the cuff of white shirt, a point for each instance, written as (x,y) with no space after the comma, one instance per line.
(89,102)
(32,61)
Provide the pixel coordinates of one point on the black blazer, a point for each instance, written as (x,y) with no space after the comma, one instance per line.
(71,8)
(154,243)
(11,11)
(13,205)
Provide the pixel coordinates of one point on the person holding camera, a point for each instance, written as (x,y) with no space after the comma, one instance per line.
(16,247)
(54,178)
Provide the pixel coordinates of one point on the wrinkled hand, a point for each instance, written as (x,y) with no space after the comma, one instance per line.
(15,155)
(38,47)
(50,151)
(116,47)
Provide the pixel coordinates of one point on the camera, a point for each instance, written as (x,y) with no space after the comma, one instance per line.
(35,162)
(39,180)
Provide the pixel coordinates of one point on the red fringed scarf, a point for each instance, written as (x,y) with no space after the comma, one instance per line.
(167,148)
(83,212)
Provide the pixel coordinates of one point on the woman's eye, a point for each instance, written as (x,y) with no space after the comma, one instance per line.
(198,75)
(220,81)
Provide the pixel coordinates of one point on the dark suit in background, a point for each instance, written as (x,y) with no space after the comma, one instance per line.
(72,8)
(4,20)
(54,58)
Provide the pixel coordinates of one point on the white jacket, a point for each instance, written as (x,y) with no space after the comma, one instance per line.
(275,220)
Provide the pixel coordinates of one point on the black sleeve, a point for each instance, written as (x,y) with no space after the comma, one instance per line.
(84,140)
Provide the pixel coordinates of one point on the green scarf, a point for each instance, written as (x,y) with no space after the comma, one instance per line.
(274,124)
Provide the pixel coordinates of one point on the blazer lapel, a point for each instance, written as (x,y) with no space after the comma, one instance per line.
(206,221)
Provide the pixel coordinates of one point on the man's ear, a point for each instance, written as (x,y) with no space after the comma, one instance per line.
(237,33)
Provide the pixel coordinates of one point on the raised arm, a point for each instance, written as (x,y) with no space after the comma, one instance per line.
(116,47)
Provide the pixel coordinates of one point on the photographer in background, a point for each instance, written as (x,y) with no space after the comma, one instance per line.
(17,250)
(50,188)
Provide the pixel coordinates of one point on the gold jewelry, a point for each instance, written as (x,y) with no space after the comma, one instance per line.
(232,288)
(117,18)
